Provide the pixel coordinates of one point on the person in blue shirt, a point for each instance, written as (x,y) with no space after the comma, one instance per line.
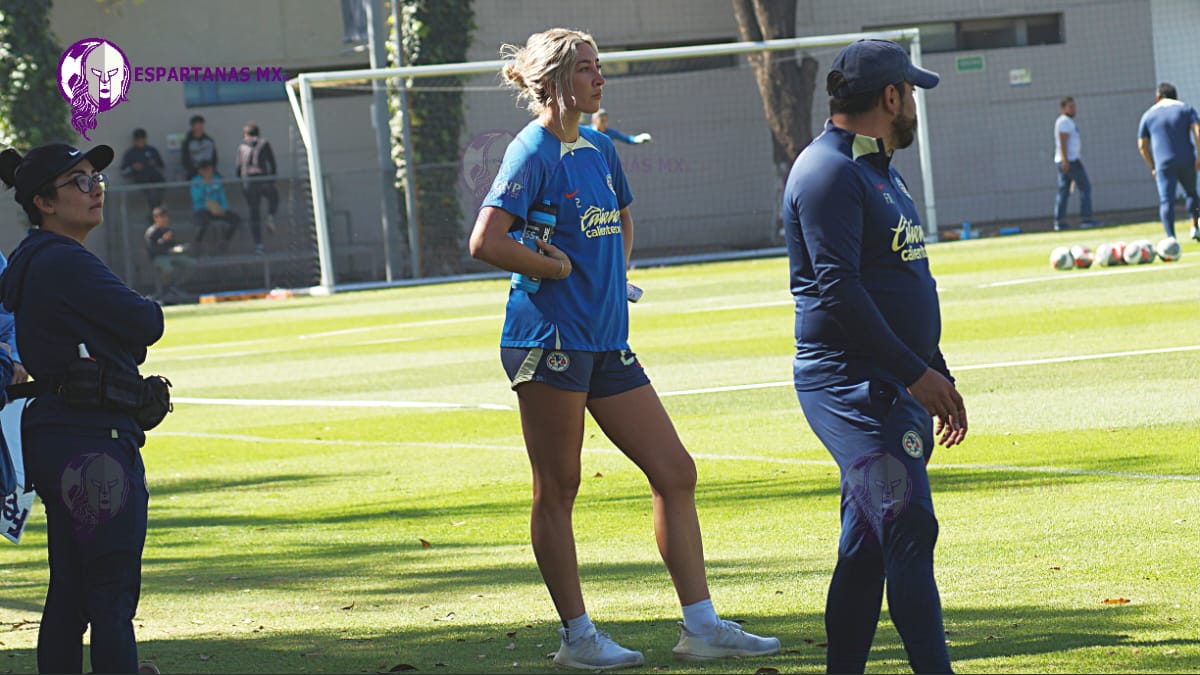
(210,203)
(868,371)
(1165,142)
(84,462)
(600,123)
(8,335)
(566,351)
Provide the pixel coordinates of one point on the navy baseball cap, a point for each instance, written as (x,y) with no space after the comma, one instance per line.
(41,164)
(871,65)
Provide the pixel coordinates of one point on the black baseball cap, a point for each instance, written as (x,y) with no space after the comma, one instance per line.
(41,164)
(871,65)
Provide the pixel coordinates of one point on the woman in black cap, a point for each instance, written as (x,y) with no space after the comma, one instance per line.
(84,463)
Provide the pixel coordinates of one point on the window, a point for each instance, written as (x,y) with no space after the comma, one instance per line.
(977,34)
(215,92)
(198,94)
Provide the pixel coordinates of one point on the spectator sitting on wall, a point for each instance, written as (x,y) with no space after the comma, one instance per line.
(172,264)
(209,202)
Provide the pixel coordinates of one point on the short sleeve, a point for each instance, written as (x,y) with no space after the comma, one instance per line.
(519,180)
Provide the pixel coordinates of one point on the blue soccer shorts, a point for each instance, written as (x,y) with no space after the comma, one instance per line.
(599,374)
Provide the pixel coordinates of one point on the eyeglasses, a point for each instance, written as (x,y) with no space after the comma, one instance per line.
(87,183)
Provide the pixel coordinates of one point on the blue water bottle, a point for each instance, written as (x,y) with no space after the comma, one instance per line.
(539,225)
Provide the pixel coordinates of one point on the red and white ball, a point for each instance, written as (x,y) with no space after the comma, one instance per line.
(1083,256)
(1108,255)
(1168,249)
(1061,258)
(1139,252)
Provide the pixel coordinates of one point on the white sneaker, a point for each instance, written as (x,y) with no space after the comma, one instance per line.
(594,650)
(728,639)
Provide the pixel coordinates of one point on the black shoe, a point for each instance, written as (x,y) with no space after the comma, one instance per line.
(1059,227)
(1091,223)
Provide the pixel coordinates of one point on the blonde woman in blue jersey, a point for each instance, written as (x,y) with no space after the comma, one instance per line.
(565,348)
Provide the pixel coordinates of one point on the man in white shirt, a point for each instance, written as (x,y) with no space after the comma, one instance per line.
(1070,168)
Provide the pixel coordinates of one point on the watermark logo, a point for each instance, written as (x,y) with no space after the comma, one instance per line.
(95,489)
(93,75)
(481,161)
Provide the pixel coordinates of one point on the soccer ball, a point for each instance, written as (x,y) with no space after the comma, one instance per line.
(1119,247)
(1108,255)
(1168,249)
(1139,252)
(1083,256)
(1060,258)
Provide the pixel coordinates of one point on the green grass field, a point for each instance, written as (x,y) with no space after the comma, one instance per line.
(303,537)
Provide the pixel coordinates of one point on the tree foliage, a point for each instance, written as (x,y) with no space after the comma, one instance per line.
(433,31)
(785,85)
(32,111)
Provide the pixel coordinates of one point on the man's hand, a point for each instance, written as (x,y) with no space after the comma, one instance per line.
(943,402)
(1065,166)
(20,375)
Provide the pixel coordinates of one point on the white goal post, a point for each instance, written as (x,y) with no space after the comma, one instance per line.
(300,96)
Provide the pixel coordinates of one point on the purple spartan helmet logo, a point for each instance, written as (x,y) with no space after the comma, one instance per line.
(481,161)
(93,75)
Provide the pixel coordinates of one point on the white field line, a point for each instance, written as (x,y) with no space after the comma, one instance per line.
(222,355)
(1084,275)
(310,336)
(306,403)
(403,324)
(977,366)
(1054,470)
(750,305)
(311,403)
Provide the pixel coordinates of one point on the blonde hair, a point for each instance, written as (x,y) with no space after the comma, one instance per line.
(543,66)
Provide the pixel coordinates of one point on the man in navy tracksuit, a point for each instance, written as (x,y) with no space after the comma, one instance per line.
(868,370)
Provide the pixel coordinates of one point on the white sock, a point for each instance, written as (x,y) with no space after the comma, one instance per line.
(577,627)
(700,617)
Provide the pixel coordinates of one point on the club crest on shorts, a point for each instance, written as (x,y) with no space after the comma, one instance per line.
(558,361)
(911,442)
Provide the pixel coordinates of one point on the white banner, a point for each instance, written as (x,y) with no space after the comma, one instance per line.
(15,507)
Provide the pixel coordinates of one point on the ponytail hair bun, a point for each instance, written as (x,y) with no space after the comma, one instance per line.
(9,160)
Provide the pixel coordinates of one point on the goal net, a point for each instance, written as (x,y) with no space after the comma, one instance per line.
(707,185)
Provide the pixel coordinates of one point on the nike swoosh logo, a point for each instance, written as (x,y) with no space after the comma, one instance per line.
(627,360)
(571,195)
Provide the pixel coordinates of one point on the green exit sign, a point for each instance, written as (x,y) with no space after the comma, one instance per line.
(966,64)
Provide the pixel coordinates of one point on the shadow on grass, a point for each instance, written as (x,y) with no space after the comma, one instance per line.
(1011,639)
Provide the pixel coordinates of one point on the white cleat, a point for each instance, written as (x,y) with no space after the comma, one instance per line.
(728,639)
(594,650)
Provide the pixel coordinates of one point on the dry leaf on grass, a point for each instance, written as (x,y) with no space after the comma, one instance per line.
(1116,601)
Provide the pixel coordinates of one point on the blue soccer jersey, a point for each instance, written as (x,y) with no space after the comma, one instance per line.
(1168,125)
(583,180)
(866,303)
